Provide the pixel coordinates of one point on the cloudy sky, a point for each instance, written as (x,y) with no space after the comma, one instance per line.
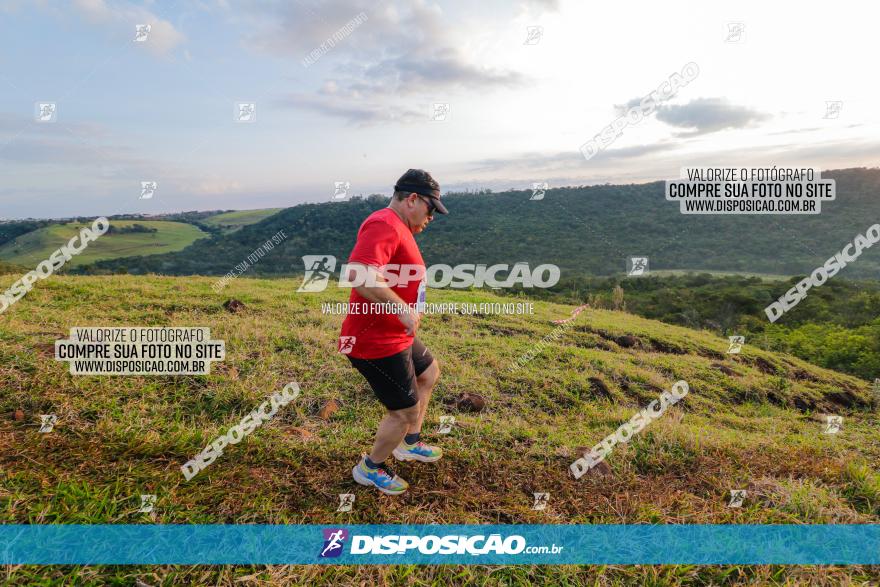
(521,103)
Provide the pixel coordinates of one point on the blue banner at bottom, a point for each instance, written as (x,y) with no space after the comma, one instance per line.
(439,544)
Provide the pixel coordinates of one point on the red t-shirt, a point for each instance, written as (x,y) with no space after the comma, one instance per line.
(383,239)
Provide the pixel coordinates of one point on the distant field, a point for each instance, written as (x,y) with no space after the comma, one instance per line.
(767,276)
(232,221)
(34,247)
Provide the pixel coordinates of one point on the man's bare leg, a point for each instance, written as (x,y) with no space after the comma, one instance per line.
(392,429)
(424,385)
(397,423)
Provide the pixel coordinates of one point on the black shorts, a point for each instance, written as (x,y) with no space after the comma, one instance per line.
(393,378)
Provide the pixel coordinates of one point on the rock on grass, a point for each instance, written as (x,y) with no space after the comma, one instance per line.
(328,409)
(471,402)
(303,433)
(627,341)
(234,306)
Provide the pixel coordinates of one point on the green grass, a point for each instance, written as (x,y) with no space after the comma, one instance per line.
(232,221)
(10,268)
(36,246)
(119,437)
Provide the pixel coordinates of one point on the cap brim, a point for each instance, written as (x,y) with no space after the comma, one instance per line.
(439,205)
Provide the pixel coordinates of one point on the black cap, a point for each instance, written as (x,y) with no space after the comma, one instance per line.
(421,182)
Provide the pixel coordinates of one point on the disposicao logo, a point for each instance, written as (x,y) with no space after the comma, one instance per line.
(319,268)
(333,542)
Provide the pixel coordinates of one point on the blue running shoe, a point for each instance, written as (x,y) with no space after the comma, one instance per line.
(382,478)
(418,452)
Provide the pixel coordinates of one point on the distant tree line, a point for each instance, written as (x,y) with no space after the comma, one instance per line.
(130,229)
(584,230)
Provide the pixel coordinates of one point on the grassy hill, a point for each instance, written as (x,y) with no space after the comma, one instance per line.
(11,229)
(33,247)
(583,230)
(751,421)
(232,221)
(837,326)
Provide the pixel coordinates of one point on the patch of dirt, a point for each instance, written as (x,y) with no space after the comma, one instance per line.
(776,399)
(600,387)
(799,374)
(665,347)
(804,404)
(223,369)
(710,354)
(593,343)
(802,375)
(45,349)
(504,330)
(626,341)
(764,366)
(724,369)
(846,399)
(563,452)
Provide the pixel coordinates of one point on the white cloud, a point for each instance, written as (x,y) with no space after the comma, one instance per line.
(163,36)
(401,49)
(706,115)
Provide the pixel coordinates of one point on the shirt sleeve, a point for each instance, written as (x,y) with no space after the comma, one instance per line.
(375,244)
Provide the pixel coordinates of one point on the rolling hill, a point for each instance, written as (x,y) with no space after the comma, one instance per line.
(31,248)
(12,229)
(232,221)
(751,421)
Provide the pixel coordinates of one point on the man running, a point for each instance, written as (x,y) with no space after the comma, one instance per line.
(383,346)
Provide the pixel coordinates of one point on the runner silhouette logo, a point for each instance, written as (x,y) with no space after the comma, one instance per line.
(334,539)
(318,270)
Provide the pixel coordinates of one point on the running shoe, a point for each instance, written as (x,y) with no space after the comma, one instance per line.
(382,478)
(418,452)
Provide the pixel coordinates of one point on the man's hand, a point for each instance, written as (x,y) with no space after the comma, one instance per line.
(410,319)
(381,293)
